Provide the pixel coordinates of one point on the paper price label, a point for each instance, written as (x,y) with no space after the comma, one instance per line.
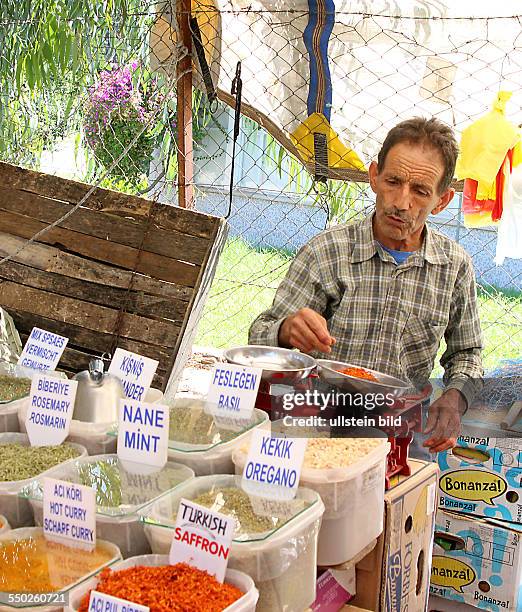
(51,406)
(143,434)
(202,538)
(273,465)
(136,373)
(233,390)
(43,350)
(100,602)
(69,513)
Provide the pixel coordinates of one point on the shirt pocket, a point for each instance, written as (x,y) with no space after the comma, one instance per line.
(420,343)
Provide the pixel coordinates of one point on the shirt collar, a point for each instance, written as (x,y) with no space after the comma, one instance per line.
(365,246)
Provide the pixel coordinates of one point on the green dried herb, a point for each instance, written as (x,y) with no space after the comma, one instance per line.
(117,488)
(105,478)
(18,462)
(193,426)
(13,388)
(235,502)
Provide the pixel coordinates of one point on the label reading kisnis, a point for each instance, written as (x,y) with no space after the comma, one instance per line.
(233,390)
(43,350)
(100,602)
(273,465)
(202,538)
(51,405)
(69,513)
(143,435)
(136,373)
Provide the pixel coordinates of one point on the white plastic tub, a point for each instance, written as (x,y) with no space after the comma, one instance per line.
(282,562)
(9,410)
(354,500)
(93,436)
(4,524)
(62,564)
(214,456)
(244,583)
(16,509)
(117,518)
(9,416)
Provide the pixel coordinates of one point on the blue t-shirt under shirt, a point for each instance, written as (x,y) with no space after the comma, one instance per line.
(399,256)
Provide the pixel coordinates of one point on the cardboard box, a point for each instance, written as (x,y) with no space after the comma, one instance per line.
(477,561)
(394,577)
(482,477)
(438,604)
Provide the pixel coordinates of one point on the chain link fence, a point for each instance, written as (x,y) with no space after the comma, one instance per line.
(89,92)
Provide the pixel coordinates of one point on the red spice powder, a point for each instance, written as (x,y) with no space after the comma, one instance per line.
(167,588)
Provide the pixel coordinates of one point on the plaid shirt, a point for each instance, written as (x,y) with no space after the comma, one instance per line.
(384,316)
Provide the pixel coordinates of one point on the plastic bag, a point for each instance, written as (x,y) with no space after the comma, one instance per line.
(509,240)
(10,343)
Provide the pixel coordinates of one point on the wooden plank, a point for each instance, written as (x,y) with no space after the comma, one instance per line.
(112,297)
(81,337)
(102,250)
(74,361)
(193,315)
(127,232)
(168,217)
(184,108)
(51,259)
(85,314)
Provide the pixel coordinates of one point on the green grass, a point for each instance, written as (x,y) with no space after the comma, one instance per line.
(244,286)
(246,280)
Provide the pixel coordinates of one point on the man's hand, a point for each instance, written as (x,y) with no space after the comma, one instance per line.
(307,331)
(444,421)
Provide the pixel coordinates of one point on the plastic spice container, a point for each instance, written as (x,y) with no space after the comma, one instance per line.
(354,500)
(93,436)
(60,565)
(281,560)
(9,409)
(207,442)
(244,583)
(119,496)
(4,524)
(16,509)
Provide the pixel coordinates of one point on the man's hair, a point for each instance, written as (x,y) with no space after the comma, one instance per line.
(431,132)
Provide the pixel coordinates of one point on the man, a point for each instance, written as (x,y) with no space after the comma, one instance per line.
(382,292)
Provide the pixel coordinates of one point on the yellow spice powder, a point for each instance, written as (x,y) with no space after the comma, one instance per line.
(39,566)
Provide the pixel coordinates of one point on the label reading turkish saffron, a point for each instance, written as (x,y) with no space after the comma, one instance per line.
(202,539)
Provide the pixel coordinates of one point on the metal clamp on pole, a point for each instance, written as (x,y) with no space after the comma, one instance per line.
(237,89)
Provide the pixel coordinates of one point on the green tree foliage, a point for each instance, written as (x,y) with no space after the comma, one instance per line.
(50,52)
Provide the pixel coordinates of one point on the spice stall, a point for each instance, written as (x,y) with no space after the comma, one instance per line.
(123,273)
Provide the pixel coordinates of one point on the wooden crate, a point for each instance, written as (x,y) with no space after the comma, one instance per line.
(119,262)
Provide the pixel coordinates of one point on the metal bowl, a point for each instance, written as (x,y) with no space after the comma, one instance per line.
(278,363)
(328,372)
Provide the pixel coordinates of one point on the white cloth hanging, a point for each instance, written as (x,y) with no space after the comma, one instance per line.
(509,241)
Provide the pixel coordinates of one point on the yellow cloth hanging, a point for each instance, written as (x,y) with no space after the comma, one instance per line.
(339,155)
(484,145)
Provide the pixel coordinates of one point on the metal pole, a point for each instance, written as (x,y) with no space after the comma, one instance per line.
(184,109)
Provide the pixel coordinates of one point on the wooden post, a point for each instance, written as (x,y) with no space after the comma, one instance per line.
(184,110)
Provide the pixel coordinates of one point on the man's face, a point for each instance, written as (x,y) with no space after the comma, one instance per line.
(407,191)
